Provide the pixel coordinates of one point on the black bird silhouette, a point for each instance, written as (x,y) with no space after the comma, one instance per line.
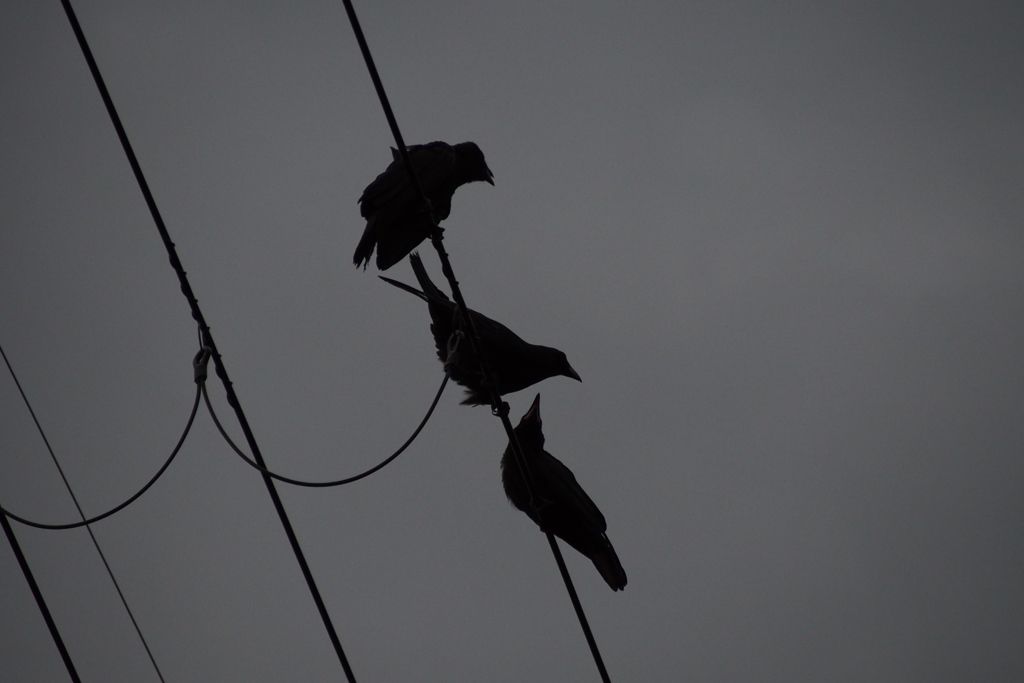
(565,508)
(396,220)
(514,363)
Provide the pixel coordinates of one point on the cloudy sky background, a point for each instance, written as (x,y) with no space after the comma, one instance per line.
(783,247)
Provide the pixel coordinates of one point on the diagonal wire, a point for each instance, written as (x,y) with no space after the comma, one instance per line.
(74,499)
(498,407)
(207,337)
(38,595)
(324,484)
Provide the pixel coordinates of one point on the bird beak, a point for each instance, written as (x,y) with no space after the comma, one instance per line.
(490,177)
(534,412)
(572,373)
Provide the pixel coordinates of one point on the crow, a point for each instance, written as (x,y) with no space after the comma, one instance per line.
(564,507)
(514,363)
(396,219)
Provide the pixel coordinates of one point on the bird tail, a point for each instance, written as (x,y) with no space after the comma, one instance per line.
(402,285)
(394,244)
(429,288)
(607,563)
(364,250)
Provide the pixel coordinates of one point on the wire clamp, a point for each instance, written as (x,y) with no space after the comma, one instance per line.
(199,364)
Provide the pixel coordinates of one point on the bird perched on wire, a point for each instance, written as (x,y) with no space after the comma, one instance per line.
(559,504)
(396,219)
(514,363)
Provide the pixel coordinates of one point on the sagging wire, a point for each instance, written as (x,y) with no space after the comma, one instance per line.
(454,350)
(325,484)
(134,497)
(454,344)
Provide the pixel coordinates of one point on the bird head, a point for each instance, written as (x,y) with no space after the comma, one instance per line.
(533,414)
(565,369)
(473,162)
(529,432)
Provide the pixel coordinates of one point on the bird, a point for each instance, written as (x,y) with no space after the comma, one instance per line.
(514,363)
(560,505)
(396,219)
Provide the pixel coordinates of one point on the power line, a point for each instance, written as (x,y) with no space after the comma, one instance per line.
(498,407)
(74,499)
(207,337)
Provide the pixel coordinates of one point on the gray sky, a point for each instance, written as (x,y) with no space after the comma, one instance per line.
(783,247)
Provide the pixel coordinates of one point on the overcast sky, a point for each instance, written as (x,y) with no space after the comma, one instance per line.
(783,247)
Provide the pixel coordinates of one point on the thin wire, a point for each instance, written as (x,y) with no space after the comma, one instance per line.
(498,407)
(38,595)
(81,514)
(325,484)
(207,338)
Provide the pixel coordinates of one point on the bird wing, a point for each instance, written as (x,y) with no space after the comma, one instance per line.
(506,358)
(564,490)
(392,190)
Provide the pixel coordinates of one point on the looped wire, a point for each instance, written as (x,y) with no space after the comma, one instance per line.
(167,463)
(323,484)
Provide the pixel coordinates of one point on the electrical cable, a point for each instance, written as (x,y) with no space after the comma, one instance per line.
(324,484)
(498,407)
(74,499)
(207,337)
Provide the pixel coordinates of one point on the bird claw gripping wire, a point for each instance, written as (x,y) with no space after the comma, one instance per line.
(454,350)
(501,410)
(199,364)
